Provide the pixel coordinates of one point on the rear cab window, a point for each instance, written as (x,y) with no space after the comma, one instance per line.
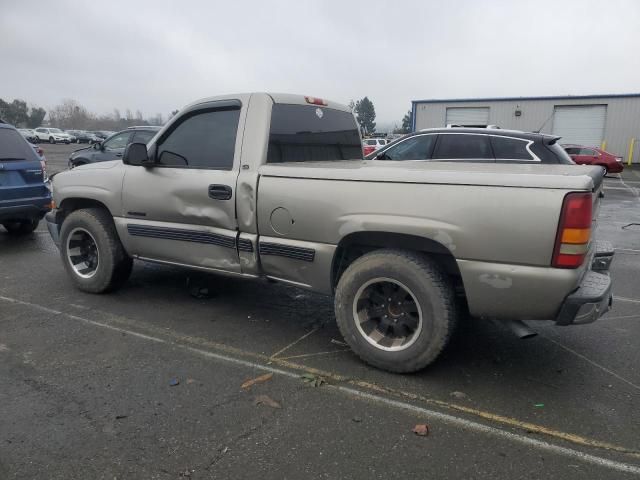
(308,133)
(13,146)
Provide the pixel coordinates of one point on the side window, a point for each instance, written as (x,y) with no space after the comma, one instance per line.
(572,151)
(510,148)
(203,140)
(143,136)
(40,130)
(462,146)
(414,148)
(118,141)
(587,151)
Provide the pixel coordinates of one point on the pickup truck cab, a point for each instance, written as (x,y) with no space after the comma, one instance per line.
(24,196)
(273,186)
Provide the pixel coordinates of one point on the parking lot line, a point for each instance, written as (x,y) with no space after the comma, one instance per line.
(595,364)
(625,299)
(178,341)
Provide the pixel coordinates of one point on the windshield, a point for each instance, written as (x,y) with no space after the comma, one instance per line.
(55,130)
(307,133)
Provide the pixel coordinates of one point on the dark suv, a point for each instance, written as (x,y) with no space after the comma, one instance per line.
(474,145)
(24,196)
(113,147)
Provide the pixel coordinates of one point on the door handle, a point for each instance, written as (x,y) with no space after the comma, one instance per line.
(220,192)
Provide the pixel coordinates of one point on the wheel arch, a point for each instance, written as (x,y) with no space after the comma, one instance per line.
(356,244)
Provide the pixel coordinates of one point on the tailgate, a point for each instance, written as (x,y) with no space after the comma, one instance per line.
(21,180)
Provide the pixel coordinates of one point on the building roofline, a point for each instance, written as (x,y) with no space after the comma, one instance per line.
(511,99)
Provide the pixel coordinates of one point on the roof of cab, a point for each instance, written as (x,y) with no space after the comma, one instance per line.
(287,98)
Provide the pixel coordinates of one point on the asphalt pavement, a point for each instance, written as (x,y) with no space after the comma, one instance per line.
(147,382)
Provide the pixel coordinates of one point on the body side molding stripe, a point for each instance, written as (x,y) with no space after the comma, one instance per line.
(297,253)
(195,236)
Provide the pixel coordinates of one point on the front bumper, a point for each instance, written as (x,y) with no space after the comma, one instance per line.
(593,298)
(53,226)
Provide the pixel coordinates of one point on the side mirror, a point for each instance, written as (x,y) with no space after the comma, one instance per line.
(97,145)
(136,154)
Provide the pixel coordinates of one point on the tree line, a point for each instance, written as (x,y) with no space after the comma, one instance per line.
(70,114)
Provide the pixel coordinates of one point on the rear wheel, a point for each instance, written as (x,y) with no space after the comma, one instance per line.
(92,252)
(52,140)
(21,227)
(396,309)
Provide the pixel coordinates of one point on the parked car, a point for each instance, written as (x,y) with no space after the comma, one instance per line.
(478,145)
(24,197)
(274,187)
(29,134)
(83,136)
(52,135)
(103,134)
(72,137)
(370,145)
(595,156)
(113,147)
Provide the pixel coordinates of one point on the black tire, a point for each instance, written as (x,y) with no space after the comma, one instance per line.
(430,290)
(114,265)
(78,140)
(52,140)
(21,227)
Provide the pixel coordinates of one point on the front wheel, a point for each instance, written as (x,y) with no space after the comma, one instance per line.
(52,140)
(21,227)
(396,309)
(91,251)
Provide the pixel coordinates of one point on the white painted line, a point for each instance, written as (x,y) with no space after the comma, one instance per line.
(447,418)
(595,364)
(625,250)
(625,299)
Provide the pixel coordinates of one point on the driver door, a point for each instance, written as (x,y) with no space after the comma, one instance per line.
(182,209)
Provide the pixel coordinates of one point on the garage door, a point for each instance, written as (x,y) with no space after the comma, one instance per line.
(468,116)
(580,124)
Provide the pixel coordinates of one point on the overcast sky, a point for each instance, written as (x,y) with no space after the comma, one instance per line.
(156,56)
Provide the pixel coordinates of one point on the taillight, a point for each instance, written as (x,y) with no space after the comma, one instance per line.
(574,231)
(40,151)
(316,101)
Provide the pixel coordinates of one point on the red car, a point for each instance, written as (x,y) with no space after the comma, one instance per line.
(594,156)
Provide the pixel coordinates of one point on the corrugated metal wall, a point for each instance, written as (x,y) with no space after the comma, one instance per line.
(622,123)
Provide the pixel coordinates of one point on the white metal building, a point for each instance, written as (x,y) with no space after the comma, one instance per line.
(612,121)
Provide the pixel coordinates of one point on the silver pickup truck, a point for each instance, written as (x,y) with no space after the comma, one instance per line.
(273,186)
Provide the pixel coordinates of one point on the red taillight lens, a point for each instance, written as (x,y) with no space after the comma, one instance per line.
(574,231)
(40,151)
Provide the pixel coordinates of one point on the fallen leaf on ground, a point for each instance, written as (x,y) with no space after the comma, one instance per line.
(459,395)
(253,381)
(421,429)
(190,381)
(266,400)
(313,380)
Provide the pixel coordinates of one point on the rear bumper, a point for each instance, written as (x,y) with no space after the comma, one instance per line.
(593,298)
(32,208)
